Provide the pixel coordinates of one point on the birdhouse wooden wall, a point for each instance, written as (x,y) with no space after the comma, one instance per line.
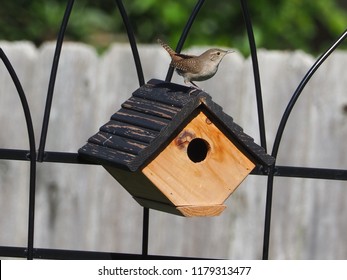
(193,175)
(196,158)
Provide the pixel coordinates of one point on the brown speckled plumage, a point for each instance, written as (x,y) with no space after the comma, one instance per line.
(195,68)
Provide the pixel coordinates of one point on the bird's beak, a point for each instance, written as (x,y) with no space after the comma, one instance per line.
(230,51)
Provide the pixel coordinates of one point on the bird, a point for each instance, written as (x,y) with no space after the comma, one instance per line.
(195,67)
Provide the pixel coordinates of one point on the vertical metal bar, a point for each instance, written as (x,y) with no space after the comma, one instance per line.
(261,121)
(132,42)
(32,194)
(52,79)
(268,208)
(145,232)
(279,135)
(31,156)
(256,73)
(141,79)
(185,34)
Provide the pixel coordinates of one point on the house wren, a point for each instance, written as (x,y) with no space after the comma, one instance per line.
(195,68)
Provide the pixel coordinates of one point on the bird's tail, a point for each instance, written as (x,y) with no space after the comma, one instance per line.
(166,47)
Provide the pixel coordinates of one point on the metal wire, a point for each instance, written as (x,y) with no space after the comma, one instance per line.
(59,254)
(185,34)
(145,232)
(52,79)
(256,73)
(299,90)
(31,155)
(279,135)
(72,158)
(140,76)
(132,42)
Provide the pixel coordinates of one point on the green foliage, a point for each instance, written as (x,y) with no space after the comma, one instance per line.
(310,25)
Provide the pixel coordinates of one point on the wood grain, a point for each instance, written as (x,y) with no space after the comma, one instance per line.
(209,182)
(186,211)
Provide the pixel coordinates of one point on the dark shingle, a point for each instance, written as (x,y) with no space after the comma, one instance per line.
(151,117)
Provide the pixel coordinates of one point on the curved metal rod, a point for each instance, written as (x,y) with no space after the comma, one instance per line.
(298,91)
(52,79)
(185,34)
(32,152)
(279,134)
(132,42)
(256,74)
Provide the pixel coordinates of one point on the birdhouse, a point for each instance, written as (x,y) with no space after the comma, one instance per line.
(175,150)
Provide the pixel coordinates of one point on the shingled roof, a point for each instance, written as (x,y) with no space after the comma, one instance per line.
(151,118)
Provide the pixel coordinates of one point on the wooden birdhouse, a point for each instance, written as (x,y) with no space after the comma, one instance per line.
(175,150)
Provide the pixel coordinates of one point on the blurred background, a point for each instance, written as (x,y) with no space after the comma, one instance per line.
(278,24)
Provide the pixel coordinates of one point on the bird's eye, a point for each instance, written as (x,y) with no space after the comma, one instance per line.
(218,53)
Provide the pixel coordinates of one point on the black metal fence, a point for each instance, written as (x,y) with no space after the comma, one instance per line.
(34,155)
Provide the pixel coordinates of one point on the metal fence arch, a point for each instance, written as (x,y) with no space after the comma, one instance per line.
(34,155)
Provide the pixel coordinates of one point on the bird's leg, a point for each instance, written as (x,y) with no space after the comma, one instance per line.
(193,89)
(194,85)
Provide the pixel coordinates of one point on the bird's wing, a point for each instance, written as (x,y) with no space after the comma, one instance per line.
(188,65)
(185,56)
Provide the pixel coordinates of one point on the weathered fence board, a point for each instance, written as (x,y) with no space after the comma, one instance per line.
(82,207)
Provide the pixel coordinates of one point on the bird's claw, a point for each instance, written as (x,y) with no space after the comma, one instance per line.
(193,89)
